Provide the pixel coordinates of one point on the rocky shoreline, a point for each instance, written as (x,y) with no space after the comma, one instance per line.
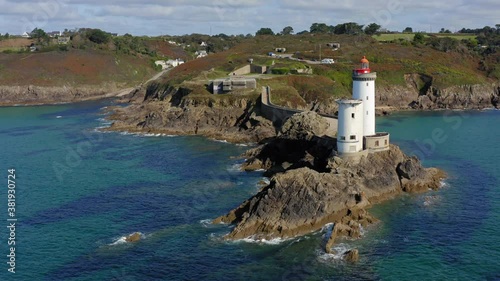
(311,187)
(172,110)
(40,95)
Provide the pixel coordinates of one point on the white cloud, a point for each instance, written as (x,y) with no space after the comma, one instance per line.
(240,16)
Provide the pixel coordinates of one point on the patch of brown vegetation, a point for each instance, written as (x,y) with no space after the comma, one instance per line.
(15,43)
(74,67)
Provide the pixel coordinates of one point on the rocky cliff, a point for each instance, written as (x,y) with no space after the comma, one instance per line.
(421,93)
(34,95)
(311,187)
(172,110)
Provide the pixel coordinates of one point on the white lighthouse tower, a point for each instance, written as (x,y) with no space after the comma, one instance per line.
(356,133)
(363,88)
(350,129)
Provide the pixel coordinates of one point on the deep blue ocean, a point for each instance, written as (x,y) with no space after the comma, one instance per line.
(80,191)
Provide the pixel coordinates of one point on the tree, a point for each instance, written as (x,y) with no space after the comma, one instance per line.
(319,28)
(372,28)
(7,35)
(419,38)
(265,31)
(444,30)
(348,28)
(408,30)
(98,36)
(287,30)
(302,32)
(38,33)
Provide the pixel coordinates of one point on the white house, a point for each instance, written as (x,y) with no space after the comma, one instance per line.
(175,62)
(203,44)
(201,54)
(162,63)
(25,35)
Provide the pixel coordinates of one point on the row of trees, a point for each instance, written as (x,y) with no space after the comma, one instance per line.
(343,28)
(370,29)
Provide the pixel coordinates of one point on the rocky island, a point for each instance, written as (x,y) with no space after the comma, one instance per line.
(318,179)
(311,186)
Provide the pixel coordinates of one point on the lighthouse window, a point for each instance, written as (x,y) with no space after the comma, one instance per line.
(342,138)
(367,113)
(367,84)
(377,143)
(366,97)
(352,115)
(353,137)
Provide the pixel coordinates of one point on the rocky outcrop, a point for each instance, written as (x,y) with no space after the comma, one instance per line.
(352,256)
(165,109)
(34,95)
(421,93)
(310,187)
(134,237)
(304,126)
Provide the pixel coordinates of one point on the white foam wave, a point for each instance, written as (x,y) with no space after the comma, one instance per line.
(123,239)
(58,116)
(221,141)
(338,252)
(234,168)
(253,240)
(206,223)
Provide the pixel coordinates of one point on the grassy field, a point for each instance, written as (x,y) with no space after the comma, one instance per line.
(457,36)
(394,36)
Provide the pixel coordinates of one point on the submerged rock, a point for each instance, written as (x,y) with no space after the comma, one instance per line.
(134,237)
(352,255)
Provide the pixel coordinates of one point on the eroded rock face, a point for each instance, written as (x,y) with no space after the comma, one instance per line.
(304,126)
(28,95)
(309,188)
(232,119)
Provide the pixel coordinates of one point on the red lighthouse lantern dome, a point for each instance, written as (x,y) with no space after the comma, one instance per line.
(365,67)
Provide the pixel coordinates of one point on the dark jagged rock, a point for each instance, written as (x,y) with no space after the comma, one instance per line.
(314,189)
(304,126)
(352,256)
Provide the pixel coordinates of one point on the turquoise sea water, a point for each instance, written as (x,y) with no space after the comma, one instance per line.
(78,192)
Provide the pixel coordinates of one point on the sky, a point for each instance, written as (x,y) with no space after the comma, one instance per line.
(177,17)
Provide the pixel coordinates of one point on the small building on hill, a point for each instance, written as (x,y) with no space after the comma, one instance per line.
(333,45)
(201,54)
(54,34)
(223,86)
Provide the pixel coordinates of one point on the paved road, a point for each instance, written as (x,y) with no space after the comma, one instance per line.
(127,91)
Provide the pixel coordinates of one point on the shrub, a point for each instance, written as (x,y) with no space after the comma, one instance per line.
(280,71)
(98,36)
